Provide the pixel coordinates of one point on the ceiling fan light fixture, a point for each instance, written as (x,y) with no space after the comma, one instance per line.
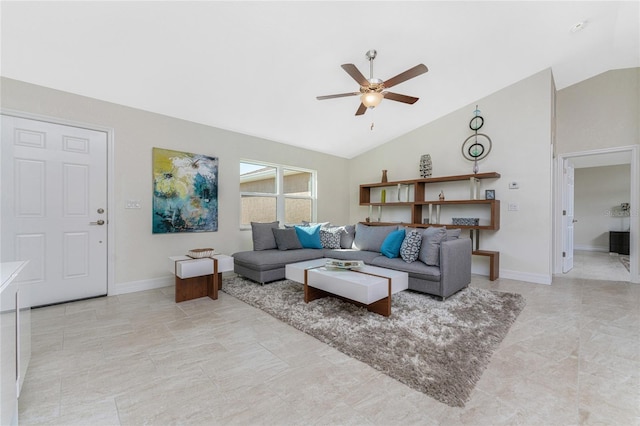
(371,99)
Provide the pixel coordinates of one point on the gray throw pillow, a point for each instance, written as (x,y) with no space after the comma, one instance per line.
(286,239)
(453,234)
(430,247)
(347,237)
(370,238)
(410,248)
(262,235)
(322,224)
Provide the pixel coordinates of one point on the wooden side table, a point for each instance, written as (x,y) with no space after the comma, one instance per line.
(199,277)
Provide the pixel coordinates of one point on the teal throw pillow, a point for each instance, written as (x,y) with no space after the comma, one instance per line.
(391,245)
(309,236)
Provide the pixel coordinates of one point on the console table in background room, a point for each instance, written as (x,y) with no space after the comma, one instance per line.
(199,277)
(619,242)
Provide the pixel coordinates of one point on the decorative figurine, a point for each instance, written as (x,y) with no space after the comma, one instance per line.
(426,167)
(441,196)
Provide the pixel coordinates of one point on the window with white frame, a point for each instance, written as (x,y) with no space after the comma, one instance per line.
(270,192)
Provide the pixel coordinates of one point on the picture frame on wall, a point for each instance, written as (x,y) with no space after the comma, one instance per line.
(490,194)
(185,192)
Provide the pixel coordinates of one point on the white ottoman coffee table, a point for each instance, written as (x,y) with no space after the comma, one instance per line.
(369,286)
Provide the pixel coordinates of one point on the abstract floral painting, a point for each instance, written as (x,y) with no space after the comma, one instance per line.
(185,192)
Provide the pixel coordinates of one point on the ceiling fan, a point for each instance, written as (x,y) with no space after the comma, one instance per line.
(373,90)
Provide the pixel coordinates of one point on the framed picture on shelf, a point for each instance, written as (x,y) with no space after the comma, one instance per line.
(490,194)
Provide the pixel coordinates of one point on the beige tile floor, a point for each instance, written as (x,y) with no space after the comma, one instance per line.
(572,357)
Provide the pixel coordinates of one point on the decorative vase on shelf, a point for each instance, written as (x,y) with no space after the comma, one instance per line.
(426,167)
(384,176)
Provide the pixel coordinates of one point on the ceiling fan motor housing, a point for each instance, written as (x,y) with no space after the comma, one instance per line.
(373,90)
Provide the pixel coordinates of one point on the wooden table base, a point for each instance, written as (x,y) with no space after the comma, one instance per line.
(196,287)
(382,306)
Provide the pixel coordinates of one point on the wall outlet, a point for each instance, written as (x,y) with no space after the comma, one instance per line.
(513,185)
(513,207)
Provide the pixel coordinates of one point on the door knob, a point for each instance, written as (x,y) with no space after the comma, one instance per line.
(99,222)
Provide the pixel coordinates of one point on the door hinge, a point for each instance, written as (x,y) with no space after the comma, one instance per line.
(564,254)
(564,212)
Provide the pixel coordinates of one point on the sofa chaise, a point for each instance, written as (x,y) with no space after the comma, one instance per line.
(436,259)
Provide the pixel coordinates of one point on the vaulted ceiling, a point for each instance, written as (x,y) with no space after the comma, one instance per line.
(257,67)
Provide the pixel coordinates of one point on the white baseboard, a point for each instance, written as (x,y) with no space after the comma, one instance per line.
(142,285)
(513,275)
(603,249)
(525,276)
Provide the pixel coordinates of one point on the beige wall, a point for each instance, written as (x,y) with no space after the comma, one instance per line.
(518,120)
(139,254)
(599,191)
(601,112)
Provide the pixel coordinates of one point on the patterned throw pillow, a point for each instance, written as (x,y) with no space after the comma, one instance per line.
(410,247)
(330,238)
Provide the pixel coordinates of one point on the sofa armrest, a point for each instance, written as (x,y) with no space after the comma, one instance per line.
(455,265)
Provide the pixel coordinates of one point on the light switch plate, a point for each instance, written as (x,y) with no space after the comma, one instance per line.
(132,204)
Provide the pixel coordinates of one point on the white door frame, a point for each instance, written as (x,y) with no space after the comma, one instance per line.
(110,180)
(634,220)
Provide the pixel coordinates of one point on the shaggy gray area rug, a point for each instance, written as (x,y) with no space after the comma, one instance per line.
(438,348)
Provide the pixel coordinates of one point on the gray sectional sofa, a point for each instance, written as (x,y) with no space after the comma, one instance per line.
(441,266)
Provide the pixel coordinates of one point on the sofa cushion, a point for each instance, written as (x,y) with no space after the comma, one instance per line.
(453,234)
(430,247)
(351,254)
(391,245)
(414,269)
(286,239)
(262,235)
(273,259)
(330,237)
(309,236)
(410,248)
(370,238)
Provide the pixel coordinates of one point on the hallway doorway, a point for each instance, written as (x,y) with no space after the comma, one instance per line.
(596,159)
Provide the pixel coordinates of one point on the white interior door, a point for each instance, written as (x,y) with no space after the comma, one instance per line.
(568,219)
(54,201)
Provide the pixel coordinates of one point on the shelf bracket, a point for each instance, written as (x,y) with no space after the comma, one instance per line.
(474,234)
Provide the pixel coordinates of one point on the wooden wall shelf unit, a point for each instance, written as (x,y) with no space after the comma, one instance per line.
(420,200)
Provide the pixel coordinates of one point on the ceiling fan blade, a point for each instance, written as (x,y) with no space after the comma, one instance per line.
(361,110)
(400,98)
(355,74)
(339,95)
(410,73)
